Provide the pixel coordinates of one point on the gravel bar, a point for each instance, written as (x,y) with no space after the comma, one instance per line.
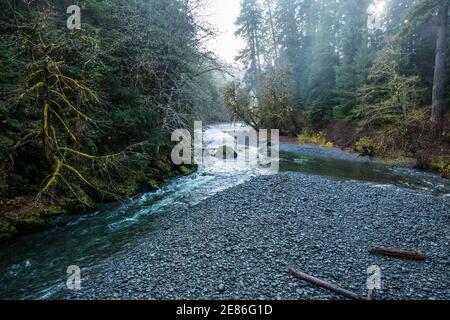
(239,244)
(323,152)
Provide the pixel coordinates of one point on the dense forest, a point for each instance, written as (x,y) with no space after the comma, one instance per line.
(86,115)
(366,74)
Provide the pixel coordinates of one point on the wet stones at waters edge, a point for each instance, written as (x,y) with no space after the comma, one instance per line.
(322,152)
(239,244)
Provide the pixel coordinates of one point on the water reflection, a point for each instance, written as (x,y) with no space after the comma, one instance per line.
(34,266)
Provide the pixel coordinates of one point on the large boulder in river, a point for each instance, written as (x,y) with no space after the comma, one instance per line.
(226,153)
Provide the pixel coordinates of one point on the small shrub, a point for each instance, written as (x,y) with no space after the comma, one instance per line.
(153,184)
(185,171)
(443,166)
(364,145)
(328,144)
(317,138)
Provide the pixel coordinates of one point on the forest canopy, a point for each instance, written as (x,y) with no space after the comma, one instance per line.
(88,113)
(362,69)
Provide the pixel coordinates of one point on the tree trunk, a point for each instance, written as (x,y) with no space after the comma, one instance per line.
(439,71)
(272,29)
(414,255)
(255,65)
(324,284)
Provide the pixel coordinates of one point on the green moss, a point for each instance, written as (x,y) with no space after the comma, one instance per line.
(30,222)
(54,212)
(85,200)
(364,144)
(7,231)
(165,168)
(185,171)
(443,166)
(129,188)
(153,184)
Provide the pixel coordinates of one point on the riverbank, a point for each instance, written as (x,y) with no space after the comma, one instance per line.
(416,148)
(240,244)
(322,152)
(341,151)
(24,215)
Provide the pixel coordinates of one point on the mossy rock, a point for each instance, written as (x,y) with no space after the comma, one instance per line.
(54,212)
(153,184)
(87,201)
(185,171)
(365,146)
(226,153)
(7,231)
(83,201)
(129,188)
(163,166)
(170,174)
(30,222)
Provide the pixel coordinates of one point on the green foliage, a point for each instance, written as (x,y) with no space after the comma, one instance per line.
(390,106)
(351,76)
(240,105)
(339,66)
(276,106)
(83,113)
(316,138)
(185,171)
(389,96)
(153,184)
(273,110)
(421,12)
(364,144)
(250,28)
(29,222)
(54,212)
(443,166)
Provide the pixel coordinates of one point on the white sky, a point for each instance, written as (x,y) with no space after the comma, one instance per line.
(222,14)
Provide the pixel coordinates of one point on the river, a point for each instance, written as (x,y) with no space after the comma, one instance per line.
(34,266)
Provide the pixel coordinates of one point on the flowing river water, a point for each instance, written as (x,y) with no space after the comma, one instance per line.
(34,266)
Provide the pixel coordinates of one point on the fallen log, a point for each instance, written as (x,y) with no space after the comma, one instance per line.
(324,284)
(414,255)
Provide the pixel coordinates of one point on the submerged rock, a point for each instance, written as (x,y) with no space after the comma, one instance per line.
(226,153)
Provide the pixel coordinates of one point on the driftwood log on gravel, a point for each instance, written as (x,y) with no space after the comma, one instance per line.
(414,255)
(324,284)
